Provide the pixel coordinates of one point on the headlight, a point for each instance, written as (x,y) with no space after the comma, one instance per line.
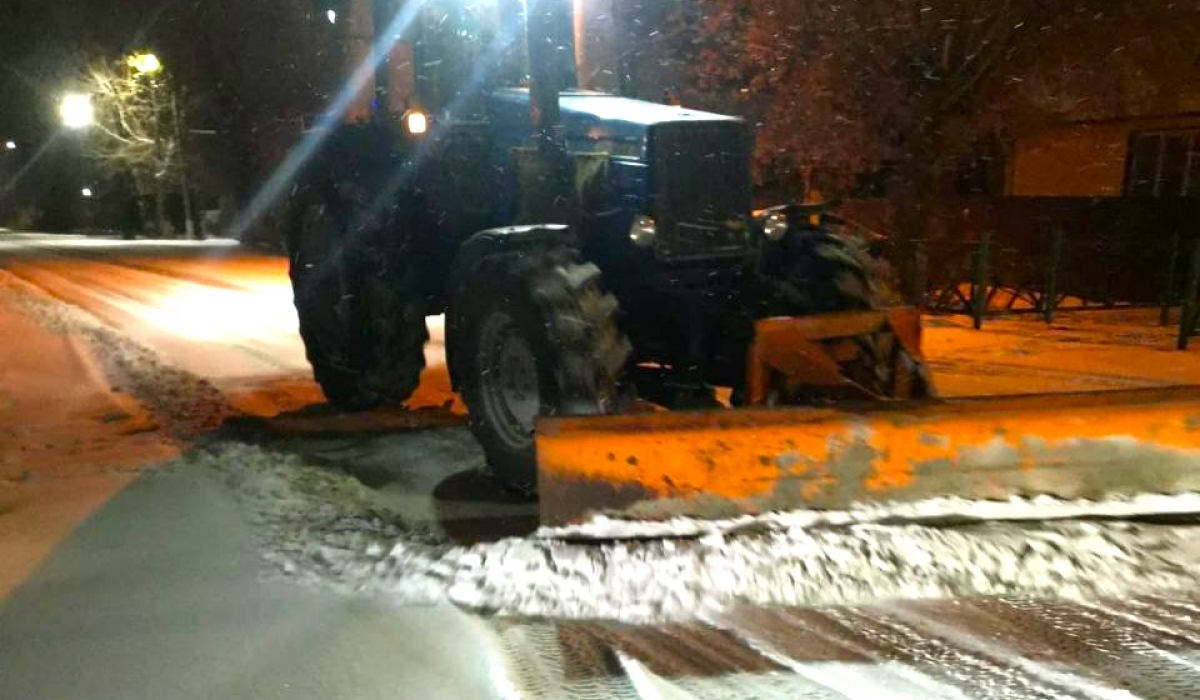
(643,231)
(416,122)
(775,226)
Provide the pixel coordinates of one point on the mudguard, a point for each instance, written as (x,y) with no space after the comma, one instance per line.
(479,247)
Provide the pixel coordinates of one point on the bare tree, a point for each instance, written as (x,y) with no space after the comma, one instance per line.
(847,86)
(135,132)
(841,89)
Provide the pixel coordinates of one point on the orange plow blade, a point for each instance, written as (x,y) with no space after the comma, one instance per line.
(726,463)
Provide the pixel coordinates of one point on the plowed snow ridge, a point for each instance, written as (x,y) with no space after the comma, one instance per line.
(321,530)
(185,405)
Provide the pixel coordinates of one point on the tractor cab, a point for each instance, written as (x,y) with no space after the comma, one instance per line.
(498,83)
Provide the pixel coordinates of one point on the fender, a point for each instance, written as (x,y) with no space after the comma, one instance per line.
(473,252)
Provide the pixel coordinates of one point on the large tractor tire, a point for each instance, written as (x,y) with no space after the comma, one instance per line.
(537,336)
(361,313)
(825,272)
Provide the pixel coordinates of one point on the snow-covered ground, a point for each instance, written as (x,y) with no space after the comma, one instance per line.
(1092,350)
(184,404)
(325,528)
(216,311)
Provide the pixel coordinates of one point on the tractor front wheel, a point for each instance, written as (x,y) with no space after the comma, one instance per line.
(539,337)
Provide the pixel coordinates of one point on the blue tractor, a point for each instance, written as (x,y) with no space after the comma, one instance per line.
(590,252)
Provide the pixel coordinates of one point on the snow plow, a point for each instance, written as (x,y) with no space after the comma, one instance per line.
(589,251)
(595,254)
(721,464)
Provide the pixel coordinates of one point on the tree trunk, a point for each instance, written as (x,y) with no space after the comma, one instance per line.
(185,193)
(160,208)
(139,189)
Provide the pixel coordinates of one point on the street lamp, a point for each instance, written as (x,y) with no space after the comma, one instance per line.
(77,111)
(147,65)
(144,63)
(10,145)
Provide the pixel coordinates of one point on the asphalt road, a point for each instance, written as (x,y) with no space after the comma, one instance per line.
(149,585)
(224,314)
(134,583)
(158,596)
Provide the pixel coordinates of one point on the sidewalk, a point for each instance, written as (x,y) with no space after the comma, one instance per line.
(1080,351)
(68,441)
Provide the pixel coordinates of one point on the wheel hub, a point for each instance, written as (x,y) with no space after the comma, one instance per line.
(509,379)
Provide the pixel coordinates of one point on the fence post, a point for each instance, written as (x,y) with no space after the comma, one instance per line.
(921,270)
(1187,320)
(1169,282)
(979,284)
(1050,294)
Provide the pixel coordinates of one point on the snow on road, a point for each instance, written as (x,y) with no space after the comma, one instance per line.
(184,404)
(324,528)
(209,308)
(67,442)
(224,313)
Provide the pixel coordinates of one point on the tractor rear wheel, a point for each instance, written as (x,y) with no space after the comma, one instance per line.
(825,272)
(538,337)
(361,318)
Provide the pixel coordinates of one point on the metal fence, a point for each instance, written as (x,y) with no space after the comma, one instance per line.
(1042,254)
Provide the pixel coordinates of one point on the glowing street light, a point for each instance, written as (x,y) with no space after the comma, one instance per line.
(416,121)
(331,15)
(77,111)
(144,63)
(10,145)
(86,192)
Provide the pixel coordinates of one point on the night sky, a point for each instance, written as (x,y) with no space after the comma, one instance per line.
(40,46)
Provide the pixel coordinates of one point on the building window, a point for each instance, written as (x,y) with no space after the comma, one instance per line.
(1164,164)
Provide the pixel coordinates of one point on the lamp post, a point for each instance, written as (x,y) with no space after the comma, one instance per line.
(7,167)
(148,65)
(145,66)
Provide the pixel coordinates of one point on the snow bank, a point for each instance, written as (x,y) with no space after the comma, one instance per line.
(320,527)
(184,405)
(945,510)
